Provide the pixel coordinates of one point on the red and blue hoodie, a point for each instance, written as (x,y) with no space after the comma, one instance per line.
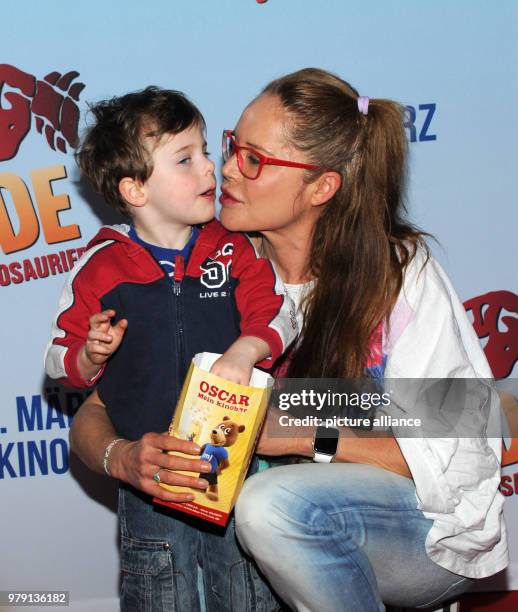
(222,291)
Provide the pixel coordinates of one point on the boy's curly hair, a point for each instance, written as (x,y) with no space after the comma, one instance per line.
(113,147)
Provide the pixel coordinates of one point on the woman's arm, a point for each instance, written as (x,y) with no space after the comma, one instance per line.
(91,432)
(134,462)
(381,452)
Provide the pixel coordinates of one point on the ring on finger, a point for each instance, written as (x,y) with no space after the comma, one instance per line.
(156,476)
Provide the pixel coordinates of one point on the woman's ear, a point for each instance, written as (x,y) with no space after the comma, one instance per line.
(325,187)
(132,192)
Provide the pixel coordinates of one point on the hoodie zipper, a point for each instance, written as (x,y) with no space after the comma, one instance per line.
(179,273)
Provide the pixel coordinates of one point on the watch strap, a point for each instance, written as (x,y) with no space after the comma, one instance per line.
(322,458)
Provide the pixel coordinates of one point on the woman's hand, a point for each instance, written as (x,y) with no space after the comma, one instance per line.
(134,462)
(137,462)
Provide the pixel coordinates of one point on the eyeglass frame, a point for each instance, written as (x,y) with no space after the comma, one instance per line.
(264,160)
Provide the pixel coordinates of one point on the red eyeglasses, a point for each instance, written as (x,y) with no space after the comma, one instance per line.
(250,162)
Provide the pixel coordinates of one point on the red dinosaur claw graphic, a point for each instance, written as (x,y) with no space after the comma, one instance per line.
(52,101)
(15,122)
(501,329)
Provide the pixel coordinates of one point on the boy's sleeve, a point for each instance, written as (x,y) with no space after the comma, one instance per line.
(70,328)
(267,312)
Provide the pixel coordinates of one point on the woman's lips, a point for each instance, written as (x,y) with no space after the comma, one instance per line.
(227,199)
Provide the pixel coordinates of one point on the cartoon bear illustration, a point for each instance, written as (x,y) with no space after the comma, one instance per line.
(222,436)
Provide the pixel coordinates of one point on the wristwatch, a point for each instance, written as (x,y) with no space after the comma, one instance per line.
(325,444)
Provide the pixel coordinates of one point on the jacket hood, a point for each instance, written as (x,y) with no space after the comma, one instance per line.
(119,233)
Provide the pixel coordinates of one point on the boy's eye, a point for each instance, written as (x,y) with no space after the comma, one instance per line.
(184,160)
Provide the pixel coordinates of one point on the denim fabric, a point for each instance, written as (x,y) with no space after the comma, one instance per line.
(341,537)
(160,553)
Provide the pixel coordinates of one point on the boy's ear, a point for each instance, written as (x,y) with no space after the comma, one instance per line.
(325,187)
(132,191)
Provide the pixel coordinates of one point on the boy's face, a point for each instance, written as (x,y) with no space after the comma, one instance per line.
(181,188)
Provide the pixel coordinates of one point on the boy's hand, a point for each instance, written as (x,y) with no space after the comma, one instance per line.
(237,362)
(102,341)
(233,368)
(104,338)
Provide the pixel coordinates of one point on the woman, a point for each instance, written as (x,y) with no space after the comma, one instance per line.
(404,522)
(318,171)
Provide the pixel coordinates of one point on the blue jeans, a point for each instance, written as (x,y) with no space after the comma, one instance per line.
(160,553)
(341,537)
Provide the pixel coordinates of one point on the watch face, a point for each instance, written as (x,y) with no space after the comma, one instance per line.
(326,440)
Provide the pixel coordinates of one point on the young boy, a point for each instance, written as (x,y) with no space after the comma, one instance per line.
(171,289)
(153,295)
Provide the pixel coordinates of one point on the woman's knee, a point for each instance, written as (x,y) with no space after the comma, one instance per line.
(270,506)
(262,506)
(253,508)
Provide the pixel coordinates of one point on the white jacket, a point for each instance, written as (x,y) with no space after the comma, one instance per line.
(456,478)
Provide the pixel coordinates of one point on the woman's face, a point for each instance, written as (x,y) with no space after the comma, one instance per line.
(276,199)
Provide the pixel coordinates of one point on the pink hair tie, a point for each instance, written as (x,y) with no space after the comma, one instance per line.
(363,104)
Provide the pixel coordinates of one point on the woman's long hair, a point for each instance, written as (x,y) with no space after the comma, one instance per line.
(361,242)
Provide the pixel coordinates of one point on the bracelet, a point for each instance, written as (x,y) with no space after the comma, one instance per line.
(107,452)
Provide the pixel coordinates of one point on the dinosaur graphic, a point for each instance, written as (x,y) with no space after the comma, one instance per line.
(51,101)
